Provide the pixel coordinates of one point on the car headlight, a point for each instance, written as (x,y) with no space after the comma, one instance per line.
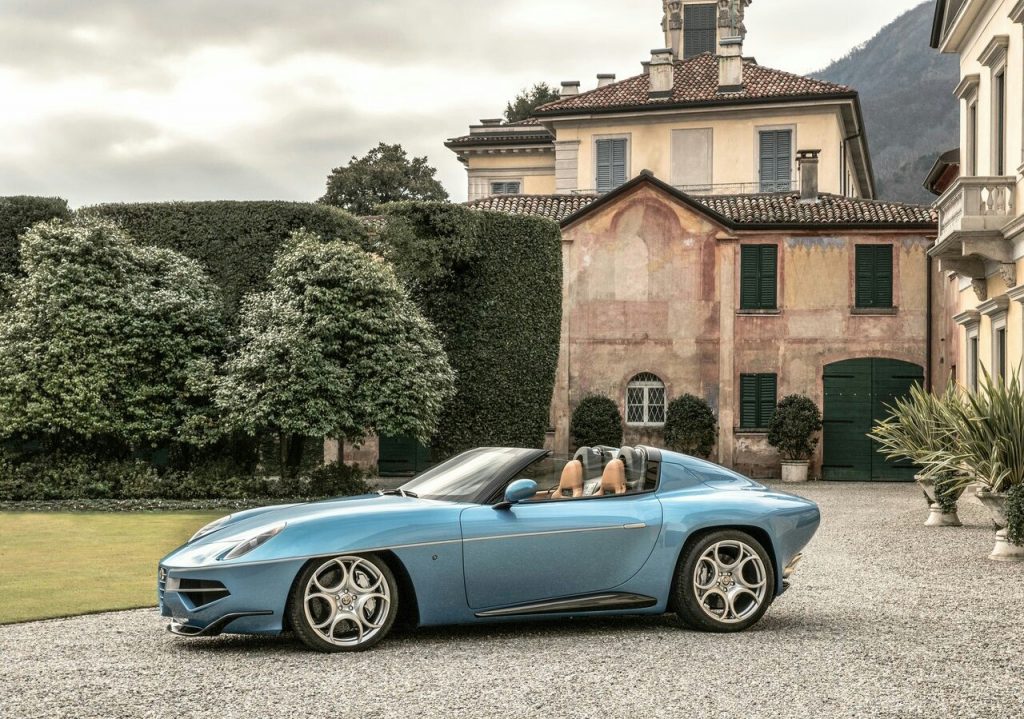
(247,544)
(211,527)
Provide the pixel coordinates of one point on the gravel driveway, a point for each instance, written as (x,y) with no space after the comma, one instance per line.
(886,619)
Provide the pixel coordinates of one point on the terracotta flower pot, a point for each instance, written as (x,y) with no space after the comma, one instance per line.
(794,471)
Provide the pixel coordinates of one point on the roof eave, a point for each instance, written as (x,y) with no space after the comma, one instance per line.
(724,102)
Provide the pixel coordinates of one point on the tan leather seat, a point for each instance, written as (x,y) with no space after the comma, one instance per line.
(571,483)
(613,481)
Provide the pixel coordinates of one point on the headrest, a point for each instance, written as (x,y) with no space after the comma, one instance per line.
(613,481)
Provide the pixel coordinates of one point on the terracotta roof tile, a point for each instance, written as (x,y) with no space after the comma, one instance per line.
(752,209)
(696,82)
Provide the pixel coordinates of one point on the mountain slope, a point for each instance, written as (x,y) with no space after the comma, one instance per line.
(906,89)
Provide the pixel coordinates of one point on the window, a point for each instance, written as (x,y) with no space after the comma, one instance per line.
(700,29)
(874,276)
(972,140)
(611,163)
(758,277)
(757,400)
(506,188)
(645,400)
(972,362)
(999,115)
(776,168)
(999,352)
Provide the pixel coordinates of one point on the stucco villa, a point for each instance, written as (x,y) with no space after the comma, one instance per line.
(722,238)
(980,244)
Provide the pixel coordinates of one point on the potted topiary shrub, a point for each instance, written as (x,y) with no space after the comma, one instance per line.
(919,430)
(793,431)
(690,426)
(596,422)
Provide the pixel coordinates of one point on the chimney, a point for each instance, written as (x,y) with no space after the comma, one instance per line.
(491,122)
(570,88)
(646,65)
(730,65)
(605,80)
(662,74)
(807,161)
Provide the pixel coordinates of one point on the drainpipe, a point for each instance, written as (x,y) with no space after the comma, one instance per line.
(928,383)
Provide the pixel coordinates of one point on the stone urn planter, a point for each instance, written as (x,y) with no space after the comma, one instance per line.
(1004,551)
(937,516)
(794,471)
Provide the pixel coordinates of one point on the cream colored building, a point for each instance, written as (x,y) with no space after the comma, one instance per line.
(700,115)
(980,247)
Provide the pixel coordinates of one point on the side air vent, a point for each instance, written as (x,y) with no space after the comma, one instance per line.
(201,592)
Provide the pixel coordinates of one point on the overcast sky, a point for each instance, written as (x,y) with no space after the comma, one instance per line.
(132,100)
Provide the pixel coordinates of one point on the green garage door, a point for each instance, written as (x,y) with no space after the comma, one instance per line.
(856,395)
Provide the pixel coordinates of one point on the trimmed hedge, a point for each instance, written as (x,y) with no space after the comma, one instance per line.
(235,242)
(17,214)
(596,422)
(492,284)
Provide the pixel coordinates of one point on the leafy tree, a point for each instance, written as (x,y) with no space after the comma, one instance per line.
(104,340)
(595,422)
(690,426)
(335,348)
(384,175)
(529,100)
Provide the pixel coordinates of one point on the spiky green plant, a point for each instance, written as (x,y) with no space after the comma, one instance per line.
(988,435)
(919,429)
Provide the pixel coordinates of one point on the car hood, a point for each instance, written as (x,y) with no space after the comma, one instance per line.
(337,525)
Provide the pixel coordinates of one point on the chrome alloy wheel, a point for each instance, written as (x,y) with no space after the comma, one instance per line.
(347,600)
(730,581)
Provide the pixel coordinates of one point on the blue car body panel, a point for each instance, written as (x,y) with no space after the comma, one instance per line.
(468,562)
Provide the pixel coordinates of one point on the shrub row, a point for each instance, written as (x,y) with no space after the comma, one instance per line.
(78,477)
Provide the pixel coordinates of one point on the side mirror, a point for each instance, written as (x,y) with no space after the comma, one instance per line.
(518,491)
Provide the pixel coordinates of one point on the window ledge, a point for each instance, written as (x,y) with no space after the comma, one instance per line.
(874,310)
(747,431)
(756,313)
(637,425)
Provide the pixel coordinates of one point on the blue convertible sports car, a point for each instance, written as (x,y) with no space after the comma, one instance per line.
(497,535)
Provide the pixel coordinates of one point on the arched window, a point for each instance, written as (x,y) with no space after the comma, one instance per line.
(645,400)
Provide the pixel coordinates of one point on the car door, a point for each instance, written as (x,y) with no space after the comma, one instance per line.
(545,550)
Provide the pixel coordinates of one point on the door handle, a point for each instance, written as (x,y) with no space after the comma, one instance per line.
(639,525)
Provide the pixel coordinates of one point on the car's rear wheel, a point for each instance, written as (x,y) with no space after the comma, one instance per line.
(725,582)
(344,604)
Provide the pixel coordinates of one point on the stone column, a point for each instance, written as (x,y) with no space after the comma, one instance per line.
(726,271)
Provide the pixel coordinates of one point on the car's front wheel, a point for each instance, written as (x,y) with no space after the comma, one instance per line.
(344,604)
(725,582)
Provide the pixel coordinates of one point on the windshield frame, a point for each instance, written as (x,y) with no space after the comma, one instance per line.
(514,461)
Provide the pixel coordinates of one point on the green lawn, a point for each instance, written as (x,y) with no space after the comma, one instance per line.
(61,564)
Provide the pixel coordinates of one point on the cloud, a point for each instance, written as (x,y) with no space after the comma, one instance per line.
(111,100)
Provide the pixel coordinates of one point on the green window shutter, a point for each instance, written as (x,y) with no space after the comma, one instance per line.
(611,164)
(748,401)
(776,153)
(874,276)
(767,389)
(768,291)
(758,398)
(759,277)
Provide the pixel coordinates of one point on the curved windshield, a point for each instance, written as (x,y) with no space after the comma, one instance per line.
(466,477)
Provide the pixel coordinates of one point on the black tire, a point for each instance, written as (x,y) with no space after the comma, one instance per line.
(300,619)
(716,615)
